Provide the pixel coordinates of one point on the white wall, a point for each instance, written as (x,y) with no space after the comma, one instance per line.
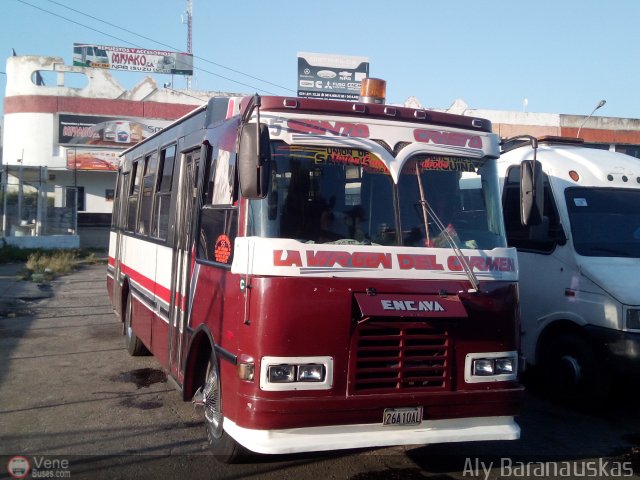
(29,136)
(94,183)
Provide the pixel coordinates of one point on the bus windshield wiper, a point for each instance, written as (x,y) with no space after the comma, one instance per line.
(426,211)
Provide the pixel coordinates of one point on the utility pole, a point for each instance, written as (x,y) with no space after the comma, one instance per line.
(20,187)
(5,189)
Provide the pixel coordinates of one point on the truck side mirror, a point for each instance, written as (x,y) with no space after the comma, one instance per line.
(531,193)
(254,161)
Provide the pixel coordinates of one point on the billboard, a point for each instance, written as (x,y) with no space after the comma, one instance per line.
(86,136)
(85,159)
(132,59)
(333,77)
(105,131)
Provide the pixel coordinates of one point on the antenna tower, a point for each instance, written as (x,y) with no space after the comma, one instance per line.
(189,14)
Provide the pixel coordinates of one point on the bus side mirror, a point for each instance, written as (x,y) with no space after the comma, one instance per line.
(531,193)
(254,161)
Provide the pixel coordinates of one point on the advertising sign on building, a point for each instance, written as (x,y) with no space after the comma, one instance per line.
(132,59)
(80,133)
(85,159)
(333,77)
(105,131)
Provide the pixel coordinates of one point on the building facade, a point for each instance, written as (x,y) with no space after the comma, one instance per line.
(611,133)
(61,145)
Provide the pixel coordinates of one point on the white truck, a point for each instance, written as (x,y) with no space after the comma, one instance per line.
(579,260)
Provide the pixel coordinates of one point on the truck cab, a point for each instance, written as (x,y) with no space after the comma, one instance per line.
(579,263)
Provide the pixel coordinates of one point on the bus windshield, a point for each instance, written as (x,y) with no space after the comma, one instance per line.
(347,196)
(605,222)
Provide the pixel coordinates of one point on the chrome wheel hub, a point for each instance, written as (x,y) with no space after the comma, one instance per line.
(211,394)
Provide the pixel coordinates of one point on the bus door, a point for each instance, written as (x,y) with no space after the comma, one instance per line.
(183,258)
(119,216)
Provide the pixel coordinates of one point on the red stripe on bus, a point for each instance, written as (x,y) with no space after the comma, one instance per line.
(159,290)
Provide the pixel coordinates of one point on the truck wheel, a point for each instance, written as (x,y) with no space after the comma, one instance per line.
(134,346)
(225,449)
(574,372)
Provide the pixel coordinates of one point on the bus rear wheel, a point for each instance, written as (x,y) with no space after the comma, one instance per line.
(134,345)
(224,448)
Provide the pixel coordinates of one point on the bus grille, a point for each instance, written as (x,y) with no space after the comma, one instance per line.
(399,356)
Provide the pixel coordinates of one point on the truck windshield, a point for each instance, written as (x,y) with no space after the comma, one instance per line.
(347,196)
(605,222)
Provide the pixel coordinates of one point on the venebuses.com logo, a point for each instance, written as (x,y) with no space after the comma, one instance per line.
(38,467)
(18,467)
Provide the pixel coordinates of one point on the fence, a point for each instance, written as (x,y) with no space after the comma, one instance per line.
(31,207)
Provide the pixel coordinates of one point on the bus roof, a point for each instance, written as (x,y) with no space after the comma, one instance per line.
(220,108)
(591,166)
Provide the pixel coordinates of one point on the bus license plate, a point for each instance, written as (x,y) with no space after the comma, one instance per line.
(402,416)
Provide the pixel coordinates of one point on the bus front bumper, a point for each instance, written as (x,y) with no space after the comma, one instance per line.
(311,439)
(621,349)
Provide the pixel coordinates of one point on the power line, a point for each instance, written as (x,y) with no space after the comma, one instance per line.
(156,42)
(130,43)
(171,47)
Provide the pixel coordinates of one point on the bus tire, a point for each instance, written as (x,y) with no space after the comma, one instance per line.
(575,373)
(134,345)
(224,448)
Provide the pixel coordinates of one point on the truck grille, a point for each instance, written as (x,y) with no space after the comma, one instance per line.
(392,356)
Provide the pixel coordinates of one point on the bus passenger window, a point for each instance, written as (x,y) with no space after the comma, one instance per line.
(218,217)
(148,182)
(135,180)
(218,229)
(162,203)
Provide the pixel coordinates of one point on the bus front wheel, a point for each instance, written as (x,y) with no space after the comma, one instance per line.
(225,449)
(575,373)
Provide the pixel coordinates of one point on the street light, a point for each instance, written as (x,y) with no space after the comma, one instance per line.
(600,105)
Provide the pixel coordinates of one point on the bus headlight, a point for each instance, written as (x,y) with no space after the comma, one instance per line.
(483,366)
(505,366)
(296,373)
(282,373)
(310,373)
(491,367)
(633,319)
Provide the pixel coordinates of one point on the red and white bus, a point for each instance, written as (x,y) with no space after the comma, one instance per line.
(322,274)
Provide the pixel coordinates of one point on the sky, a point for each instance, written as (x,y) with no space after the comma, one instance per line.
(548,56)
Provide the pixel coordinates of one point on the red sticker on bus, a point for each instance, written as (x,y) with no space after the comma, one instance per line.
(222,249)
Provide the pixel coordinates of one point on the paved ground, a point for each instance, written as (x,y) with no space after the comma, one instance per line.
(71,396)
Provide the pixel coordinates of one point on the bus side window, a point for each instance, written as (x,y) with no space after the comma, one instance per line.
(162,201)
(148,182)
(135,180)
(541,238)
(115,214)
(219,216)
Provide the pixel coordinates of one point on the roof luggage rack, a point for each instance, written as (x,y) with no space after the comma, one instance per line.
(511,143)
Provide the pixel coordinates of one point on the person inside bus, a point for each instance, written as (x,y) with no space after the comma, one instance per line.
(441,193)
(443,196)
(294,213)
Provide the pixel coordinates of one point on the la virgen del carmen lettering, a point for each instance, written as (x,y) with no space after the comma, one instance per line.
(379,260)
